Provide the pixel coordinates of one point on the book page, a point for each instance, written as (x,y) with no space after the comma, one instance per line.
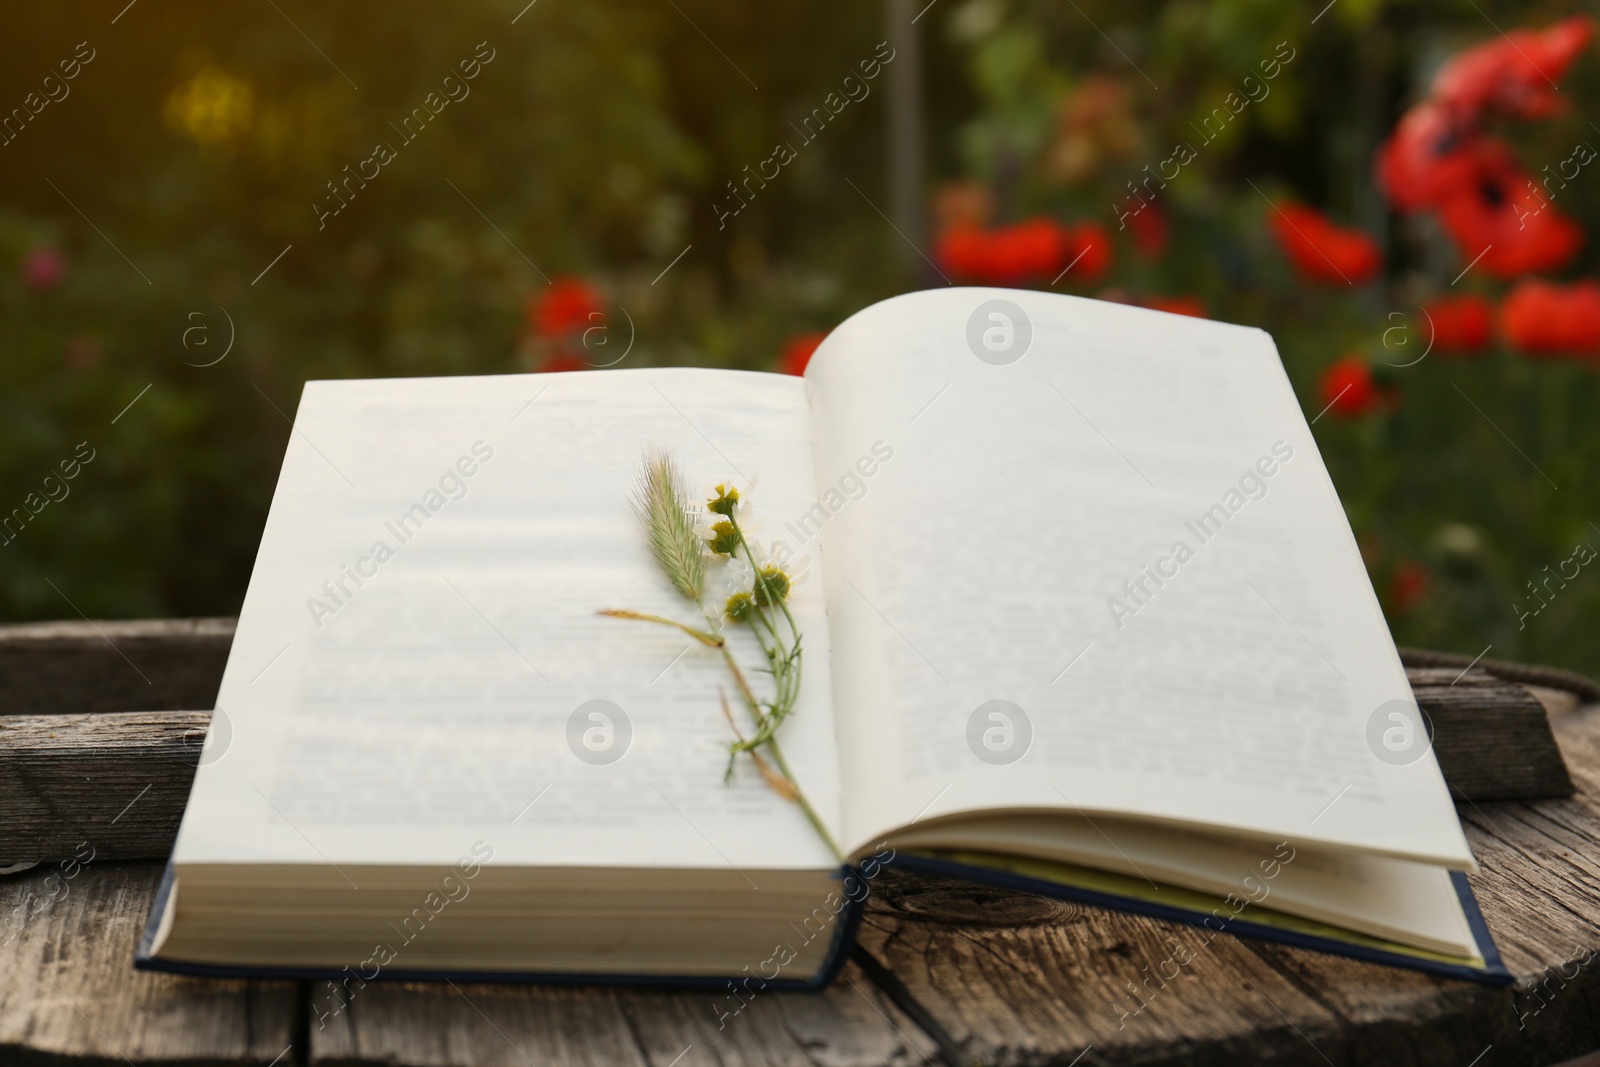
(1103,570)
(1414,903)
(419,664)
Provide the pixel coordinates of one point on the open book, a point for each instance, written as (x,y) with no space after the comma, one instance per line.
(1082,614)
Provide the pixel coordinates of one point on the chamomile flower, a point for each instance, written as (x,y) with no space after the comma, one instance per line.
(772,585)
(725,500)
(740,606)
(723,538)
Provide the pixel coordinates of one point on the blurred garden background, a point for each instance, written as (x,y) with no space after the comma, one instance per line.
(195,218)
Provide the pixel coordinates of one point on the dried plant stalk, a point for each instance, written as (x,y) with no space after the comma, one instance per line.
(662,504)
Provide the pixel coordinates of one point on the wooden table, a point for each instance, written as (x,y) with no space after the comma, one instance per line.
(945,971)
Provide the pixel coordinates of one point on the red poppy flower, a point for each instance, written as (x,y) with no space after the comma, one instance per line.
(1460,323)
(1035,250)
(1485,200)
(1192,306)
(963,252)
(1322,251)
(970,253)
(1545,319)
(797,352)
(1503,216)
(1438,157)
(1151,230)
(1027,250)
(566,305)
(1408,585)
(43,269)
(1432,153)
(562,360)
(1348,389)
(1515,73)
(1088,253)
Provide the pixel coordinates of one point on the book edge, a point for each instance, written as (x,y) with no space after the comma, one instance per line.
(844,937)
(1492,973)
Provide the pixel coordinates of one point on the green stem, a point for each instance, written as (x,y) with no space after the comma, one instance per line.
(786,667)
(800,798)
(788,692)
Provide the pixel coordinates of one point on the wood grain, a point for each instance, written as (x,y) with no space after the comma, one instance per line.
(118,780)
(850,1024)
(1491,737)
(52,668)
(69,993)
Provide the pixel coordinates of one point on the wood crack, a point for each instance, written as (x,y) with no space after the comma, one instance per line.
(892,987)
(1268,955)
(633,1031)
(302,1024)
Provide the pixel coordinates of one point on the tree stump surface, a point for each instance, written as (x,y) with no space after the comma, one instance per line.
(101,726)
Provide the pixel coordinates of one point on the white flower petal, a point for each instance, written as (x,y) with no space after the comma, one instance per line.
(738,577)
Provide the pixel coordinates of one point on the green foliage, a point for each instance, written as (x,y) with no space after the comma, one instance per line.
(199,139)
(595,143)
